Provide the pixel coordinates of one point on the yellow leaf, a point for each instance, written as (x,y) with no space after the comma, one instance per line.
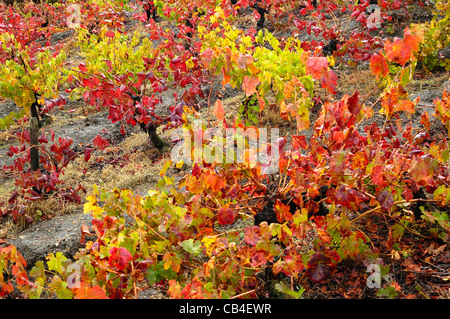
(208,242)
(91,205)
(165,168)
(180,164)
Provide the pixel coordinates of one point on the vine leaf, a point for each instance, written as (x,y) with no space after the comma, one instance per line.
(218,110)
(87,153)
(119,257)
(100,142)
(86,292)
(249,84)
(226,216)
(318,68)
(386,200)
(320,266)
(378,66)
(252,235)
(191,246)
(400,51)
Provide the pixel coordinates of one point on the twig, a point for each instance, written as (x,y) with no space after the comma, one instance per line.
(209,98)
(395,203)
(243,294)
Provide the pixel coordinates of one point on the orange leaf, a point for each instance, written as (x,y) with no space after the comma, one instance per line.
(283,212)
(218,110)
(286,111)
(378,65)
(226,77)
(262,103)
(324,236)
(86,292)
(407,106)
(209,265)
(400,51)
(397,51)
(411,40)
(425,120)
(249,84)
(171,261)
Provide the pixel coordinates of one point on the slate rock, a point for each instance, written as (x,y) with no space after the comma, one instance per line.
(59,234)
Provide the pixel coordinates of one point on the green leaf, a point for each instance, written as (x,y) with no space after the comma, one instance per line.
(55,261)
(388,292)
(129,242)
(38,270)
(157,273)
(399,228)
(281,286)
(191,246)
(60,288)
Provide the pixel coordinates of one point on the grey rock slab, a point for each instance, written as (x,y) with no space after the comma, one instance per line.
(59,234)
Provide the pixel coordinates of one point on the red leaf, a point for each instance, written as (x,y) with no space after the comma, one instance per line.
(88,83)
(97,225)
(252,235)
(207,56)
(82,67)
(317,67)
(13,197)
(100,142)
(407,194)
(226,216)
(377,175)
(196,170)
(353,104)
(120,257)
(87,153)
(122,130)
(42,139)
(6,289)
(329,81)
(299,141)
(319,267)
(386,200)
(110,34)
(84,232)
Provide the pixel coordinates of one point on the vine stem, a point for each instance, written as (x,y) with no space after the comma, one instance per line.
(370,211)
(243,294)
(209,99)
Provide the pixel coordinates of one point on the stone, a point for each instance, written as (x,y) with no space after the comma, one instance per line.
(59,234)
